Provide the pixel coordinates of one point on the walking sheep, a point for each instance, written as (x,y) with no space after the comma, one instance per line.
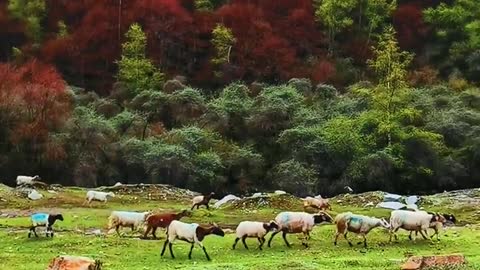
(162,220)
(43,220)
(93,195)
(349,222)
(191,233)
(437,225)
(411,221)
(298,222)
(318,203)
(119,219)
(202,200)
(27,180)
(253,229)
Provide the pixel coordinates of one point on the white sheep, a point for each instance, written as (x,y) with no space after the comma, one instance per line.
(411,221)
(359,224)
(202,200)
(93,195)
(191,233)
(318,203)
(27,180)
(133,220)
(298,222)
(436,226)
(253,229)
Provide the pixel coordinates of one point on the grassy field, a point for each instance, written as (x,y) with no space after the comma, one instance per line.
(129,252)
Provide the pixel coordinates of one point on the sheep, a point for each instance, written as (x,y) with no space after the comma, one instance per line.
(298,222)
(318,203)
(202,200)
(46,220)
(119,219)
(349,222)
(162,220)
(191,233)
(27,180)
(411,221)
(438,225)
(253,229)
(93,195)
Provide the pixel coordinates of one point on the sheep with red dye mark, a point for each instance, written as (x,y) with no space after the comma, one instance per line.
(191,233)
(162,220)
(298,222)
(44,220)
(359,224)
(202,200)
(253,229)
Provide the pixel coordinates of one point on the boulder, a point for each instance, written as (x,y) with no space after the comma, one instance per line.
(226,199)
(74,263)
(411,200)
(391,205)
(255,195)
(427,262)
(280,192)
(34,195)
(392,197)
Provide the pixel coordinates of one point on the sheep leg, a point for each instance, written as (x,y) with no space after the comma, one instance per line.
(190,253)
(284,235)
(146,232)
(153,232)
(271,237)
(345,236)
(364,240)
(164,247)
(336,238)
(424,234)
(193,206)
(243,241)
(117,228)
(235,243)
(32,229)
(305,239)
(262,241)
(171,251)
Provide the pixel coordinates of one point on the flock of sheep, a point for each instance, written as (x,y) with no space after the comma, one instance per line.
(284,222)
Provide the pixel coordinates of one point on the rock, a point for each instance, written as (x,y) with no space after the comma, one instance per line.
(424,262)
(370,204)
(391,205)
(412,207)
(66,262)
(52,191)
(34,195)
(280,192)
(226,199)
(318,197)
(255,195)
(96,232)
(118,184)
(228,231)
(411,200)
(392,197)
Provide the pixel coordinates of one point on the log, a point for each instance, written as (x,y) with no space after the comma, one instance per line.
(426,262)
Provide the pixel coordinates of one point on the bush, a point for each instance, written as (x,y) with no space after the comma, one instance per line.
(302,85)
(326,91)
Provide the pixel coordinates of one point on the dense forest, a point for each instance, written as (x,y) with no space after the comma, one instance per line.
(306,96)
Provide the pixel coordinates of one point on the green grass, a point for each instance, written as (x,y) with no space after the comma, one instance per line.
(128,252)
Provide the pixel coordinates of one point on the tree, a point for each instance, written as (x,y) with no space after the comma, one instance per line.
(223,41)
(32,13)
(336,16)
(390,95)
(376,14)
(134,68)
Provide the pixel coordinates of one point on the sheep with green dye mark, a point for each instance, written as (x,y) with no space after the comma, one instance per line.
(359,224)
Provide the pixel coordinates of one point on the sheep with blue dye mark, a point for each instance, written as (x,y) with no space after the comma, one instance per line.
(44,220)
(133,220)
(298,222)
(253,229)
(191,233)
(359,224)
(411,221)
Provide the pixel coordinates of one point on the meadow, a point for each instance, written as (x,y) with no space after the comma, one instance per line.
(130,252)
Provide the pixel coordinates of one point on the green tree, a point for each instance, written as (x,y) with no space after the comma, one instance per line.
(377,13)
(391,94)
(32,12)
(223,41)
(336,16)
(203,5)
(135,69)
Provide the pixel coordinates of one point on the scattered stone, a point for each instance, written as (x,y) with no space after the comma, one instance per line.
(391,205)
(370,204)
(392,197)
(67,262)
(225,200)
(411,200)
(425,262)
(118,184)
(52,191)
(228,231)
(255,195)
(96,232)
(34,195)
(280,192)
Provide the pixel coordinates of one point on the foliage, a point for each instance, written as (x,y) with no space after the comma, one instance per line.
(223,41)
(32,13)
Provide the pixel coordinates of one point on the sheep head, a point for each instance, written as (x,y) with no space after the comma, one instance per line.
(384,223)
(322,217)
(271,226)
(111,194)
(36,178)
(217,230)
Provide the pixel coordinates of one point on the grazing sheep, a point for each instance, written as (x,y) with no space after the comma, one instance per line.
(253,229)
(27,180)
(93,195)
(191,233)
(411,221)
(349,222)
(44,220)
(298,222)
(119,219)
(318,203)
(162,220)
(202,200)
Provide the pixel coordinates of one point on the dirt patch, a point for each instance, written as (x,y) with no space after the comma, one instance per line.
(284,201)
(152,191)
